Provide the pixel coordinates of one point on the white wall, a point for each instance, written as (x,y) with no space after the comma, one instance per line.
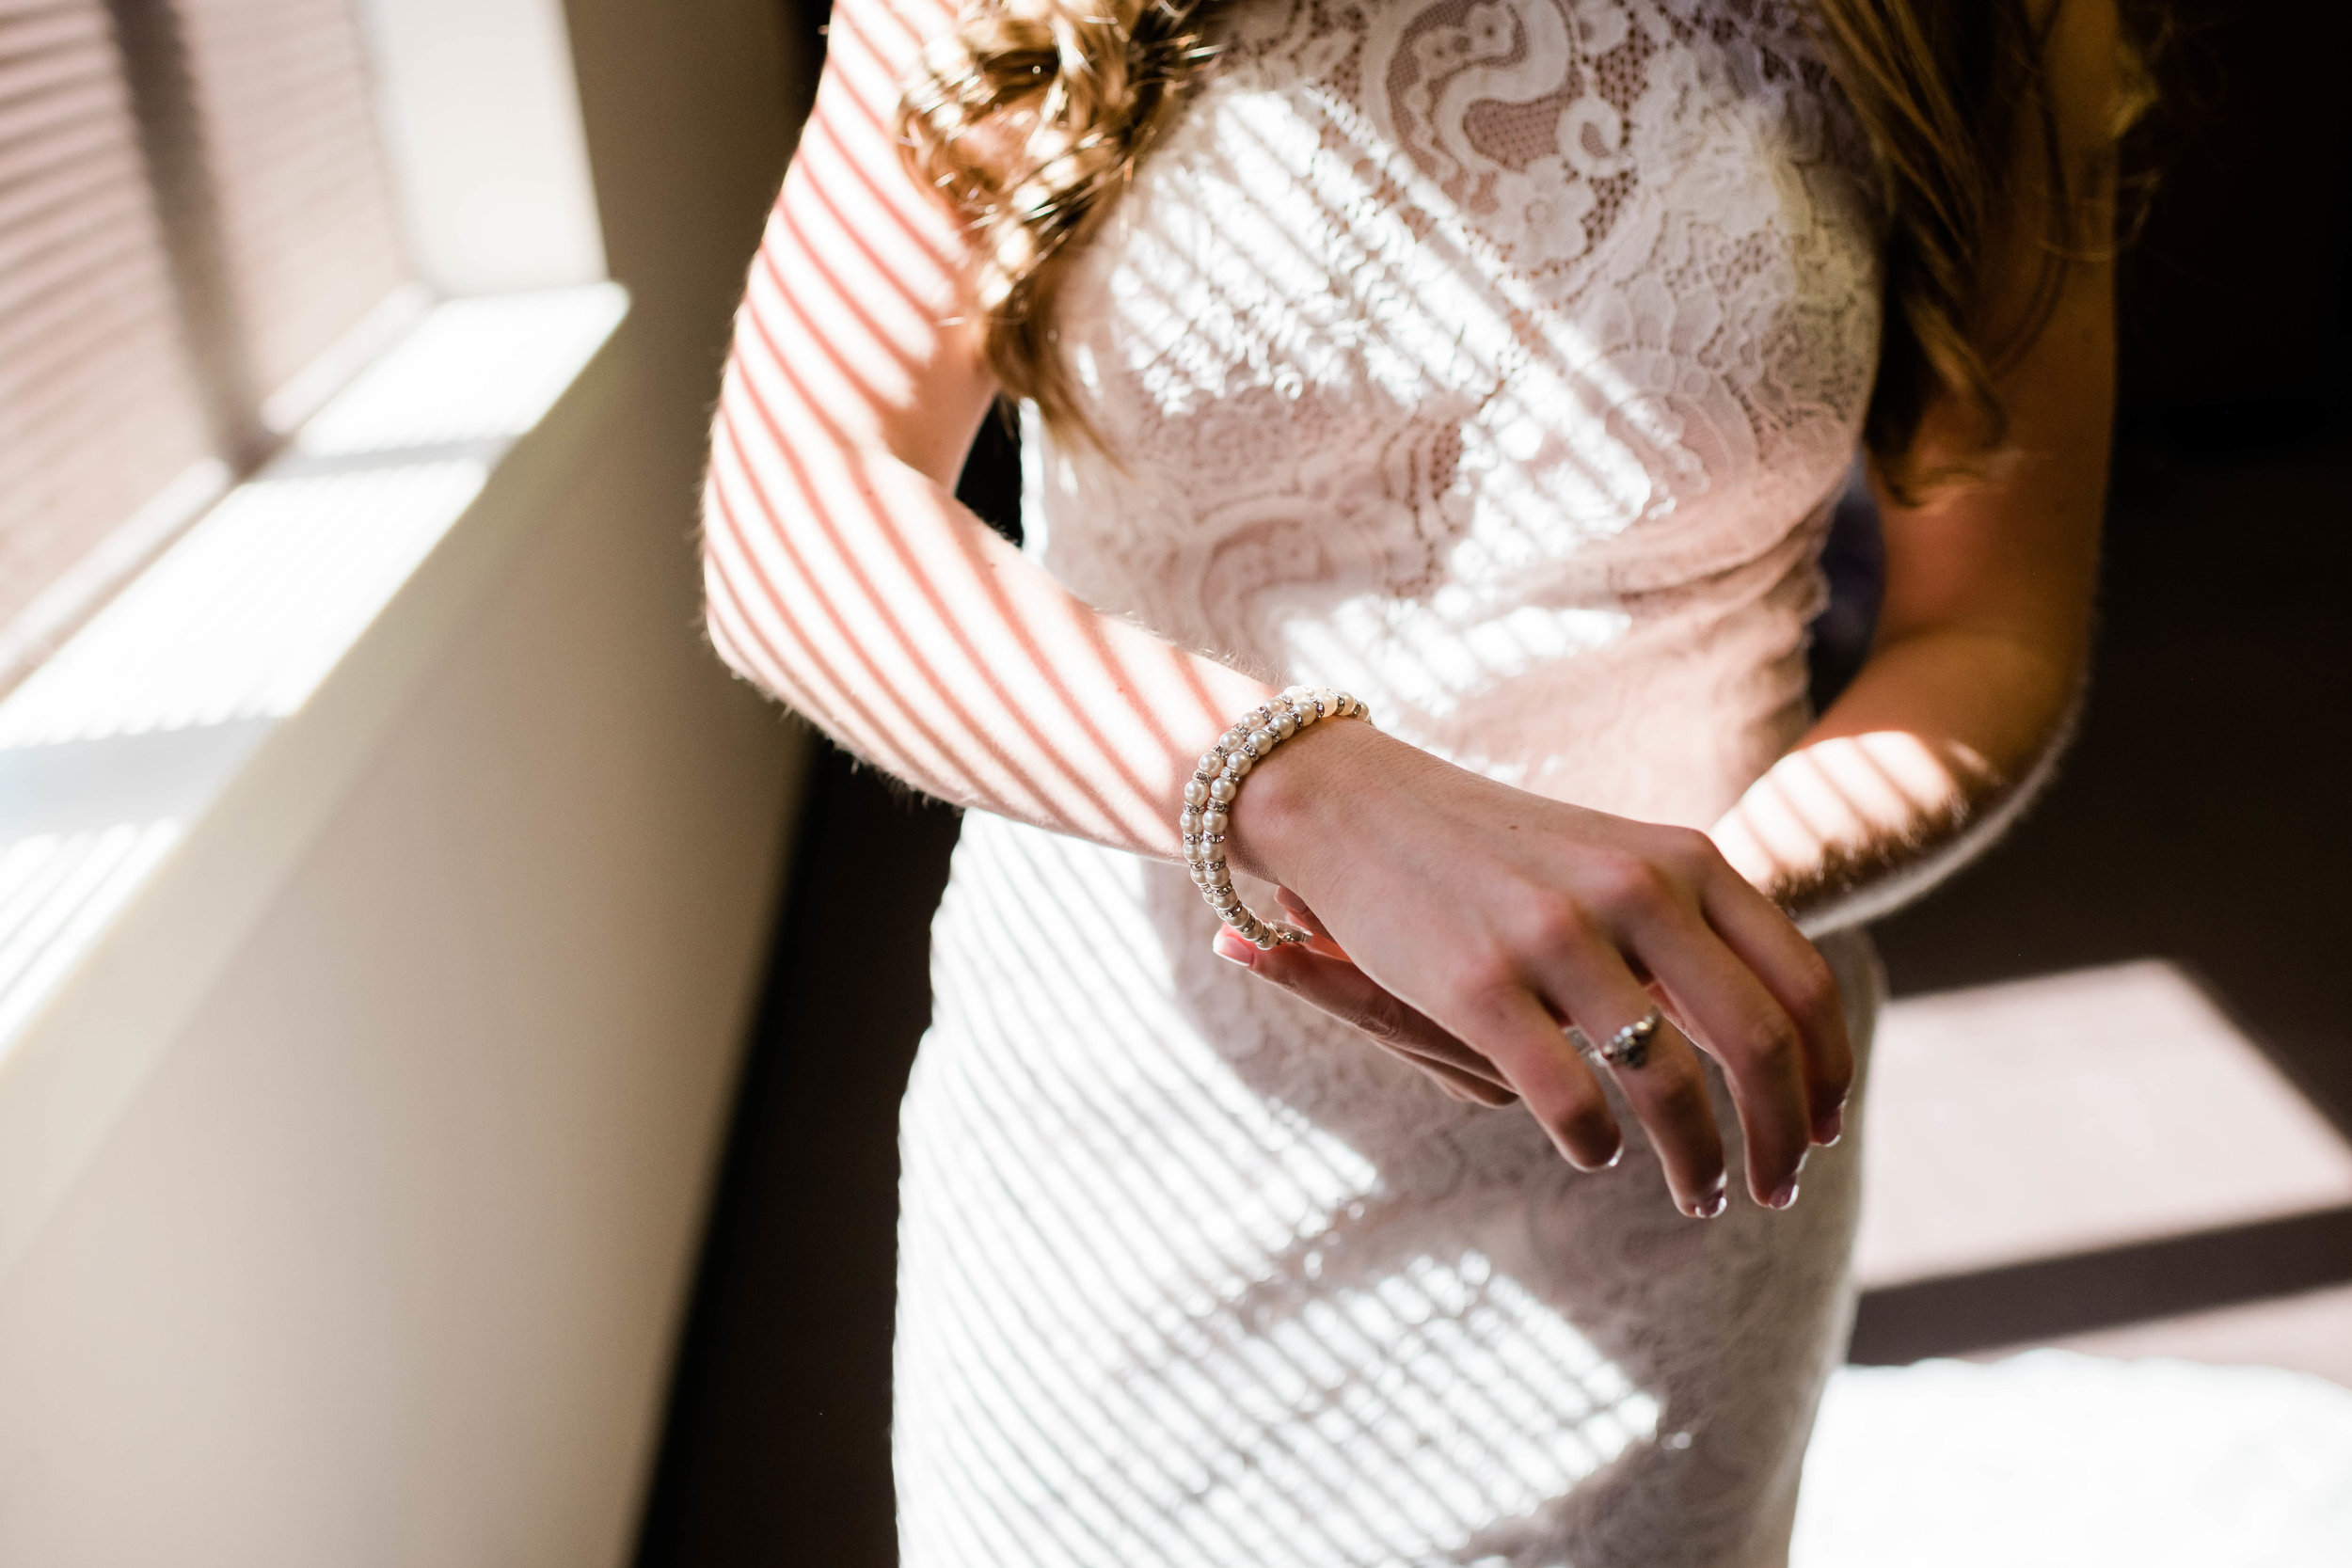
(384,1263)
(481,130)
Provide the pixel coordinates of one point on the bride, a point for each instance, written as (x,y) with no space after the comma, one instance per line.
(1381,1142)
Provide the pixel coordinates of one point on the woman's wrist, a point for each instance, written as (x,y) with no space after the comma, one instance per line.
(1294,811)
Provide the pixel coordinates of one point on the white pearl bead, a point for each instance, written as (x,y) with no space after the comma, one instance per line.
(1216,783)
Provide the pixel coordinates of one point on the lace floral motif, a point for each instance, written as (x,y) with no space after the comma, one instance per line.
(1491,354)
(1490,358)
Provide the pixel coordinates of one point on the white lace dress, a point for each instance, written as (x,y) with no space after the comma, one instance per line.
(1493,360)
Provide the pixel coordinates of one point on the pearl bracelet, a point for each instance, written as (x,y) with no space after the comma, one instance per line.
(1216,783)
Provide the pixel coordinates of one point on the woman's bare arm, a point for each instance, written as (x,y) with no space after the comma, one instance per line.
(842,574)
(1981,642)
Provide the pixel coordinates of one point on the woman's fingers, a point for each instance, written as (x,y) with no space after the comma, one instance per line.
(1587,979)
(1339,988)
(1319,937)
(1739,1022)
(1800,980)
(1756,996)
(1503,1020)
(1668,1092)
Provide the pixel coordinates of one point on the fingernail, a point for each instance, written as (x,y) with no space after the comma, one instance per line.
(1711,1205)
(1829,1125)
(1611,1164)
(1787,1195)
(1232,949)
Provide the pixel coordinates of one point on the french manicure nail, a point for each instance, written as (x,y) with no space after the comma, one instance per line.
(1787,1195)
(1712,1205)
(1611,1164)
(1829,1125)
(1234,951)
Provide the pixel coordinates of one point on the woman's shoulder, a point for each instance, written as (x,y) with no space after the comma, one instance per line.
(883,37)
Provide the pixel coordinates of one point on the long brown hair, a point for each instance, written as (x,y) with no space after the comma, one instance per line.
(1033,115)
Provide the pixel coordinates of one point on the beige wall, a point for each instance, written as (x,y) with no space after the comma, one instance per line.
(384,1263)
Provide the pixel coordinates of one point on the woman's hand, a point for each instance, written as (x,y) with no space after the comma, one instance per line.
(1486,919)
(1319,971)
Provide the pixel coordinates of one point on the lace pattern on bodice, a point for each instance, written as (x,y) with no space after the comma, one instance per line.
(1492,359)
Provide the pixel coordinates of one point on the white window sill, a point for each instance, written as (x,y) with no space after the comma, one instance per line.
(163,773)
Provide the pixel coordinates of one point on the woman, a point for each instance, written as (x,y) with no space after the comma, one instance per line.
(1498,363)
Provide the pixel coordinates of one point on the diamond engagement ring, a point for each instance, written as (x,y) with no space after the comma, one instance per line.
(1628,1048)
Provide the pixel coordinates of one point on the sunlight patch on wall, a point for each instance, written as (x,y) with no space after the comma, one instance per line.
(124,738)
(57,890)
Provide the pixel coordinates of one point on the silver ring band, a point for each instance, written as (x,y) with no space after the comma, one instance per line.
(1628,1048)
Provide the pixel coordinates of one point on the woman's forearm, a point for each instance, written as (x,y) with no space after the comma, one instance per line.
(895,619)
(1938,744)
(841,573)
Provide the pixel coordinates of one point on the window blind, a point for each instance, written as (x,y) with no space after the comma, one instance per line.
(193,208)
(97,407)
(286,115)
